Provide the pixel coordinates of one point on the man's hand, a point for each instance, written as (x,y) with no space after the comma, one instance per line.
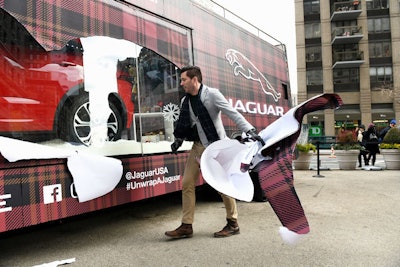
(253,134)
(176,144)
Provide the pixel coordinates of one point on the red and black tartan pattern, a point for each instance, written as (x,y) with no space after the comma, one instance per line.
(54,23)
(25,184)
(211,45)
(276,175)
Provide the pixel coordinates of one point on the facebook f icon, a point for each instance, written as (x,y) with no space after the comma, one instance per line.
(52,193)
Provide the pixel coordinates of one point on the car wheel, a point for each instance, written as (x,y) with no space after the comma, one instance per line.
(77,127)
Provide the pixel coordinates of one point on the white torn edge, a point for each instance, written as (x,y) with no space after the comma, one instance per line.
(289,237)
(93,175)
(56,263)
(100,58)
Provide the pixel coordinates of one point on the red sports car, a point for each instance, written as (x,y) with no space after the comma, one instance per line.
(42,92)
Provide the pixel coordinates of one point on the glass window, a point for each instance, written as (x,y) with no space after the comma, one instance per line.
(380,49)
(380,74)
(370,23)
(311,7)
(94,91)
(387,49)
(341,76)
(312,30)
(314,77)
(341,28)
(158,88)
(346,52)
(313,53)
(376,25)
(375,50)
(377,4)
(385,24)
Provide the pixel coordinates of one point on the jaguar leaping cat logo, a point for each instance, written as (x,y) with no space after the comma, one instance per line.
(242,65)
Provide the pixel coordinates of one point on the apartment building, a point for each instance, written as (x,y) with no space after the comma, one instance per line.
(351,48)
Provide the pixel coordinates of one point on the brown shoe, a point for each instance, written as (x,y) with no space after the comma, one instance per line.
(231,228)
(185,230)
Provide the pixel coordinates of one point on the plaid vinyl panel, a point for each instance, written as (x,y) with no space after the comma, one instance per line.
(59,21)
(10,194)
(212,37)
(23,184)
(26,185)
(26,163)
(276,180)
(276,176)
(53,23)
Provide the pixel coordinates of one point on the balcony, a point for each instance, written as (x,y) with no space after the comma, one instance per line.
(342,11)
(347,59)
(347,35)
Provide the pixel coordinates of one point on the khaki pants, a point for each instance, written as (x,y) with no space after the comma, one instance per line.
(190,178)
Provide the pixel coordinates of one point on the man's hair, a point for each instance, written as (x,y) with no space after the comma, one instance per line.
(193,71)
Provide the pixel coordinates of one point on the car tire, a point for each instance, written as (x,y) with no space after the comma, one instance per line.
(76,126)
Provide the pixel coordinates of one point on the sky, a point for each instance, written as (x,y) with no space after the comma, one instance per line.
(275,18)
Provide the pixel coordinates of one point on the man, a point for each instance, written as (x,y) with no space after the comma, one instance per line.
(200,121)
(382,134)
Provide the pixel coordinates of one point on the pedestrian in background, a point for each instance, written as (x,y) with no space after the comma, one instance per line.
(372,143)
(363,150)
(382,134)
(355,4)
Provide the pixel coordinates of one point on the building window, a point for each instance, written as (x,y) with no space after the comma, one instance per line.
(345,28)
(314,77)
(345,76)
(380,74)
(346,52)
(377,25)
(377,4)
(380,49)
(312,30)
(311,7)
(313,53)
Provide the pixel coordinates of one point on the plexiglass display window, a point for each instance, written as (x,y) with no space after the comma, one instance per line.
(99,93)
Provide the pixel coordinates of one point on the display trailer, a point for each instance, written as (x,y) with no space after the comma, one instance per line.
(90,93)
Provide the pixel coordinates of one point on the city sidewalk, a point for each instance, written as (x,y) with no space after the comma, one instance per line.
(328,161)
(353,216)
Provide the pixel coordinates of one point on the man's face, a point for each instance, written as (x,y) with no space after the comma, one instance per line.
(188,84)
